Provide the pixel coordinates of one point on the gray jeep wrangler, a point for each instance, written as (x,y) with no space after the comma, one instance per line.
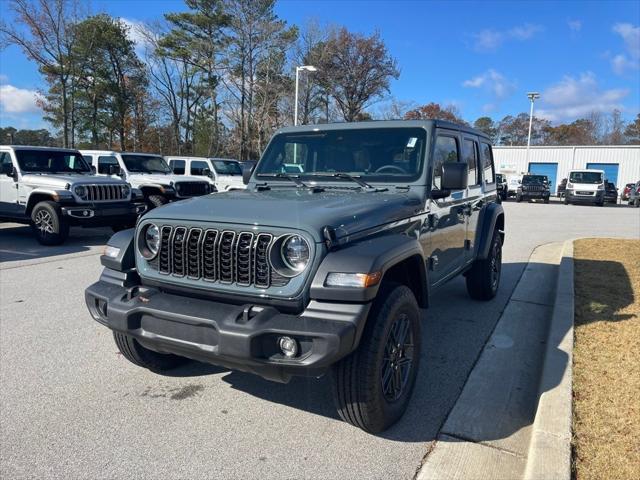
(53,188)
(320,271)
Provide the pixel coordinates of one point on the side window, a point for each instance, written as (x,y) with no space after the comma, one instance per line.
(446,150)
(177,166)
(5,157)
(486,155)
(470,156)
(198,166)
(105,162)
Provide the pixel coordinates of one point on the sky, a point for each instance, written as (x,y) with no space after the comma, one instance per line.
(482,57)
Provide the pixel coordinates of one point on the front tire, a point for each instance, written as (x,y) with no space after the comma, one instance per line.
(156,201)
(48,225)
(483,279)
(373,385)
(518,198)
(131,349)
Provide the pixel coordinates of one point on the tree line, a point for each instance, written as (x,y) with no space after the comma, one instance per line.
(218,80)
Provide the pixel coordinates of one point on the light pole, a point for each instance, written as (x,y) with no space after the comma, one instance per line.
(533,96)
(308,68)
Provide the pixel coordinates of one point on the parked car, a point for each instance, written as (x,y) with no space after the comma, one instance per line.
(626,191)
(610,193)
(585,186)
(513,182)
(634,195)
(534,187)
(325,270)
(53,189)
(148,172)
(501,182)
(562,188)
(223,173)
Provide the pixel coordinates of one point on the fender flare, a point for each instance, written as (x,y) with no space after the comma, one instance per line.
(378,254)
(491,216)
(58,196)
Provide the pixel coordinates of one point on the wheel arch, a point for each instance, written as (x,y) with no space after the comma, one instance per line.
(491,218)
(36,198)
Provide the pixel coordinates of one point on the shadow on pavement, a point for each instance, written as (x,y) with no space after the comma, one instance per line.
(455,331)
(17,243)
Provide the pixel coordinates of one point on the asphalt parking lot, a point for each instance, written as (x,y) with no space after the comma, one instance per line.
(71,407)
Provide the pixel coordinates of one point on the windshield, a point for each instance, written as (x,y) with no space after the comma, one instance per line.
(534,180)
(374,154)
(145,164)
(51,161)
(585,177)
(227,167)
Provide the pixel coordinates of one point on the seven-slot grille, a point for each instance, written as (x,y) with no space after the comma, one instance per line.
(102,193)
(191,189)
(534,188)
(223,256)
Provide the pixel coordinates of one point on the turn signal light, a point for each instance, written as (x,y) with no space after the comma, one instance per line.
(354,280)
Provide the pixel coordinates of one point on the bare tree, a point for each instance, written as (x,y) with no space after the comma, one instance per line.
(42,30)
(356,71)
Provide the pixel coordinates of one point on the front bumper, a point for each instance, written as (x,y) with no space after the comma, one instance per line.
(534,194)
(240,337)
(99,215)
(597,196)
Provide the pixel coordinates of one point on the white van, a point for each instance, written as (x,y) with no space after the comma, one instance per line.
(513,182)
(148,172)
(224,173)
(585,186)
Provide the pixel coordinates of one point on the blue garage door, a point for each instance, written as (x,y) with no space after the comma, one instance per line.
(610,171)
(548,169)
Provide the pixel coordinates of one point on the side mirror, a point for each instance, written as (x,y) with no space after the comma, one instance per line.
(246,174)
(7,169)
(455,176)
(114,170)
(206,172)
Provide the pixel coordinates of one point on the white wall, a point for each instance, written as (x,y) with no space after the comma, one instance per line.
(514,159)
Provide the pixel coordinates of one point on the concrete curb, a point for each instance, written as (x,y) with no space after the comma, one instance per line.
(550,448)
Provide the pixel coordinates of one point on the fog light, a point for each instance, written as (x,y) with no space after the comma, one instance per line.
(288,346)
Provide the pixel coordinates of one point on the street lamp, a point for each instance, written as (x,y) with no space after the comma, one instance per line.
(532,96)
(307,68)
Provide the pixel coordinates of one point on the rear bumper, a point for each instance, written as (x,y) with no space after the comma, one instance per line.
(241,337)
(95,215)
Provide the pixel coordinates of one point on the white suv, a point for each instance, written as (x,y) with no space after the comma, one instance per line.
(148,172)
(224,173)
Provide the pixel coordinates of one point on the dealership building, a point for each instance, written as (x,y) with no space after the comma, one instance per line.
(621,163)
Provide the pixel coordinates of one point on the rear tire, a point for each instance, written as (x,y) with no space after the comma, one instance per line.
(372,386)
(156,201)
(546,200)
(131,349)
(48,225)
(483,279)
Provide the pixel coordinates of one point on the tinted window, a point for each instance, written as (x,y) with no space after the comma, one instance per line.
(198,167)
(470,156)
(51,161)
(5,157)
(177,166)
(227,167)
(105,162)
(585,177)
(445,151)
(145,163)
(376,154)
(486,156)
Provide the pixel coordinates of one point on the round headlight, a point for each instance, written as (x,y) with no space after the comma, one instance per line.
(295,253)
(80,191)
(126,190)
(151,241)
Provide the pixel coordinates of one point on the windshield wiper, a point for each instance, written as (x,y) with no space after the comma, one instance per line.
(353,178)
(294,179)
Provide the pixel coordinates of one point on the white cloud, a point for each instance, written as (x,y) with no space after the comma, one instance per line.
(3,78)
(575,25)
(631,60)
(573,98)
(489,40)
(138,33)
(18,100)
(492,82)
